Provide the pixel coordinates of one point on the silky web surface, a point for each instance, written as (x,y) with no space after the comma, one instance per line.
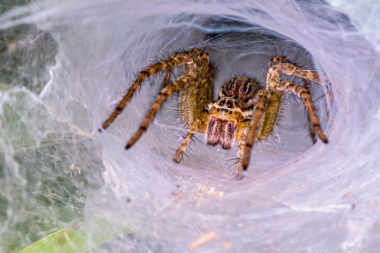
(65,66)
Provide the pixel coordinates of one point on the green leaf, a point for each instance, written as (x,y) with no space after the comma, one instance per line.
(79,238)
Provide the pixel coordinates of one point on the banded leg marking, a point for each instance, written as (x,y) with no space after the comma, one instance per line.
(302,93)
(258,111)
(164,94)
(193,128)
(173,61)
(240,158)
(310,124)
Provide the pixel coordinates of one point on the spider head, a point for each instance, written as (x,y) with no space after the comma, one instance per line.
(224,117)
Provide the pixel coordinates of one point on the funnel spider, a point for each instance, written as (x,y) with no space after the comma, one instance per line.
(244,112)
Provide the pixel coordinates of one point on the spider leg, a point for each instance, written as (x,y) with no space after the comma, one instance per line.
(330,100)
(262,97)
(166,81)
(310,124)
(173,61)
(194,99)
(193,128)
(302,93)
(164,94)
(240,158)
(292,70)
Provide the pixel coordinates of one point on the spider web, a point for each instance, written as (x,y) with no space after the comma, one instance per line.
(64,66)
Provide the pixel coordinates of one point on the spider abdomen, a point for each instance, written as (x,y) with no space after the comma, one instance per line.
(243,88)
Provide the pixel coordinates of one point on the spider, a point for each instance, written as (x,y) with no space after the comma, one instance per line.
(244,112)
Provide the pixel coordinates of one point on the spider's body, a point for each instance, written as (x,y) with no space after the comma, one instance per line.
(244,112)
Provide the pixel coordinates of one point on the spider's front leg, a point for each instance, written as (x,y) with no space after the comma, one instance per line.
(164,94)
(240,158)
(193,100)
(309,122)
(173,61)
(302,93)
(193,128)
(280,64)
(197,75)
(262,98)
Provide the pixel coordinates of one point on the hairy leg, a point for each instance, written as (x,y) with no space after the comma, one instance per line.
(193,128)
(240,158)
(281,64)
(173,61)
(329,100)
(292,70)
(193,100)
(166,81)
(164,94)
(302,93)
(262,98)
(310,124)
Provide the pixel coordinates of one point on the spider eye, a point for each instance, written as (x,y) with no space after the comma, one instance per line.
(221,103)
(229,104)
(218,109)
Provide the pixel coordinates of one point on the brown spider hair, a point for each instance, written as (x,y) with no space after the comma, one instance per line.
(234,104)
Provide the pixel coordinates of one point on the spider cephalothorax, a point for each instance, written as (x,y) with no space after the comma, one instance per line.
(234,105)
(244,111)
